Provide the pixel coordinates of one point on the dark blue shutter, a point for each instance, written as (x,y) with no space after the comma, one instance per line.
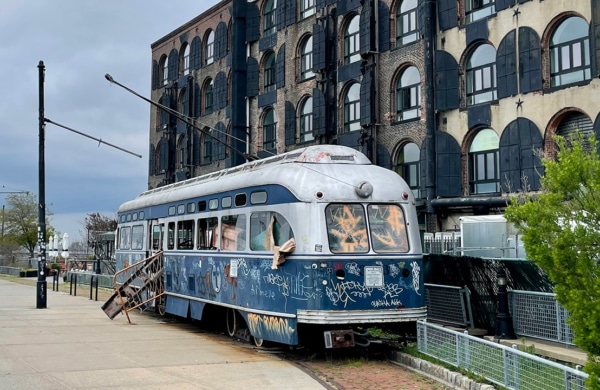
(319,48)
(154,74)
(279,14)
(252,22)
(366,24)
(196,53)
(152,160)
(220,141)
(196,148)
(366,98)
(220,91)
(447,166)
(595,40)
(163,163)
(290,12)
(319,5)
(504,4)
(506,66)
(319,119)
(173,65)
(530,60)
(252,74)
(164,115)
(477,31)
(447,14)
(197,100)
(280,67)
(384,27)
(221,41)
(423,170)
(446,81)
(519,149)
(290,124)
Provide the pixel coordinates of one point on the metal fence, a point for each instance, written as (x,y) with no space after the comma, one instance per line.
(497,363)
(449,304)
(539,315)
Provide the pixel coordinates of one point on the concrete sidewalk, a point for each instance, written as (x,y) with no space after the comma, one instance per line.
(73,345)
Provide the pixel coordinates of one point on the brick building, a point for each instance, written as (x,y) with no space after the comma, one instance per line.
(459,97)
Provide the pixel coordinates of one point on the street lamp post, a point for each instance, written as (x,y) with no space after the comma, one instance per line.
(504,325)
(41,288)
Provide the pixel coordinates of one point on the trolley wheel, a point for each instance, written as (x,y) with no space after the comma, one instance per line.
(258,342)
(232,322)
(161,306)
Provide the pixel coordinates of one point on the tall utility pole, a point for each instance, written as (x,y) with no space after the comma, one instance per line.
(41,297)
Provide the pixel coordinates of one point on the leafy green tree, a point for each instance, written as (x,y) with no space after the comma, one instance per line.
(561,233)
(21,220)
(96,224)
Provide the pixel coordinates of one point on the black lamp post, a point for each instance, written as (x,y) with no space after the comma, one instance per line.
(504,325)
(41,288)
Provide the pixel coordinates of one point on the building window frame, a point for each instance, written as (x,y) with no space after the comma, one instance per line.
(408,94)
(307,8)
(570,58)
(407,22)
(269,131)
(352,108)
(306,120)
(269,15)
(306,59)
(209,54)
(269,82)
(352,40)
(484,166)
(480,76)
(479,9)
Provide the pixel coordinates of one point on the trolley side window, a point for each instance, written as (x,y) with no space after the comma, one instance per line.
(268,229)
(171,235)
(233,232)
(125,237)
(346,228)
(207,233)
(185,235)
(388,228)
(157,237)
(137,237)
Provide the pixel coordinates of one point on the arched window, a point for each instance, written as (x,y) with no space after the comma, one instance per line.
(408,167)
(269,25)
(269,131)
(307,8)
(406,22)
(576,123)
(479,9)
(185,59)
(481,75)
(208,96)
(209,54)
(181,152)
(306,120)
(269,72)
(306,59)
(352,41)
(408,95)
(164,74)
(570,52)
(484,170)
(352,108)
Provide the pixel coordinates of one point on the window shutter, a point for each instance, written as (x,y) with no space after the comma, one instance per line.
(319,120)
(504,4)
(446,81)
(519,147)
(154,75)
(280,67)
(196,147)
(319,48)
(366,97)
(164,115)
(252,22)
(221,136)
(506,65)
(220,91)
(290,124)
(173,65)
(280,14)
(447,14)
(423,170)
(195,53)
(163,163)
(197,100)
(221,41)
(530,60)
(252,74)
(447,167)
(320,4)
(384,27)
(366,23)
(152,160)
(290,12)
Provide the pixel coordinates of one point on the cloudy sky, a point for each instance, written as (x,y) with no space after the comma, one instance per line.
(79,42)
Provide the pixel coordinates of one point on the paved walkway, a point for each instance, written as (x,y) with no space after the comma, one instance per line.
(73,345)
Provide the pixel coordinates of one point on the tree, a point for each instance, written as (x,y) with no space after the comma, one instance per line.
(96,224)
(21,221)
(561,233)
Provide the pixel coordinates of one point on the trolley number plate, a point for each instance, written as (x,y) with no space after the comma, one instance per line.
(373,276)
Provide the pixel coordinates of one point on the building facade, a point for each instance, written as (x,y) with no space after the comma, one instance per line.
(461,98)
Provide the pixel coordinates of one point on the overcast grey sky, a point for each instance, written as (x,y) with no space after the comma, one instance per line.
(80,41)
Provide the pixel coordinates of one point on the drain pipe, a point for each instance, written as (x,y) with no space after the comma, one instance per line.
(429,28)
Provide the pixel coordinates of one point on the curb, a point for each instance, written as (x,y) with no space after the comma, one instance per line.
(441,374)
